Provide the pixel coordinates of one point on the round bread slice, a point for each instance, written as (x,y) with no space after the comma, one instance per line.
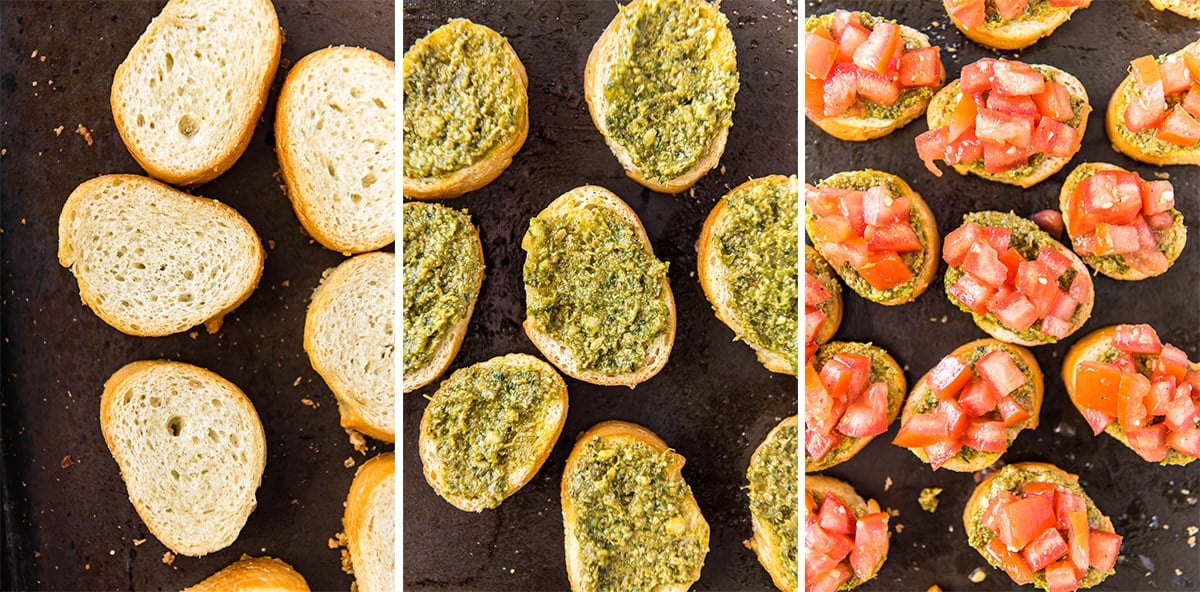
(639,47)
(816,487)
(253,574)
(151,260)
(489,428)
(630,520)
(884,368)
(458,138)
(1145,146)
(190,448)
(746,260)
(370,524)
(1188,8)
(816,267)
(773,504)
(350,342)
(334,131)
(1017,33)
(187,97)
(586,255)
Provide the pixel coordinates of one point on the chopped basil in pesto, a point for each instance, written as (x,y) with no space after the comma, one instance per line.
(773,494)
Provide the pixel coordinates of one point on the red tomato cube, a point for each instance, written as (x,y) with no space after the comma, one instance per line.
(835,516)
(870,543)
(977,398)
(1159,196)
(976,77)
(878,88)
(921,430)
(1016,78)
(999,158)
(877,51)
(1179,128)
(885,271)
(1186,441)
(999,369)
(971,293)
(1014,311)
(1012,563)
(983,263)
(921,67)
(931,146)
(948,377)
(1011,9)
(1054,102)
(1137,339)
(1061,577)
(1028,518)
(1045,549)
(867,415)
(880,207)
(956,244)
(940,452)
(986,435)
(1103,548)
(819,55)
(1150,443)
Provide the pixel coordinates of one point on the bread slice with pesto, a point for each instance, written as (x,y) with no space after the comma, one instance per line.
(1015,25)
(489,428)
(630,520)
(822,302)
(1153,109)
(459,137)
(852,393)
(774,504)
(598,304)
(1187,8)
(369,524)
(660,85)
(250,574)
(833,509)
(746,260)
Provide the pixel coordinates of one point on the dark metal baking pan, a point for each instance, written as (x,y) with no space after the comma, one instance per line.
(68,523)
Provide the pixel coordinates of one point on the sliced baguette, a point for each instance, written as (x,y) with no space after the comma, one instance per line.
(564,213)
(151,260)
(754,321)
(773,477)
(489,428)
(1017,33)
(350,342)
(253,574)
(816,266)
(609,50)
(591,467)
(1188,8)
(816,486)
(884,368)
(503,77)
(187,97)
(1144,146)
(334,136)
(370,524)
(190,448)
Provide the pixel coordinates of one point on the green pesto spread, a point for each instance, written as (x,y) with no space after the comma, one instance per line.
(593,286)
(487,421)
(758,247)
(632,525)
(463,97)
(773,494)
(671,90)
(881,371)
(442,273)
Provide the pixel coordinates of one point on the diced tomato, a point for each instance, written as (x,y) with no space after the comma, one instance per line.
(962,119)
(1171,361)
(1159,221)
(1150,443)
(1014,311)
(828,581)
(875,53)
(940,452)
(1137,339)
(948,377)
(898,238)
(1012,563)
(1175,76)
(1012,105)
(1012,411)
(866,415)
(1065,504)
(814,292)
(1116,239)
(885,271)
(1096,420)
(1115,195)
(878,88)
(1070,3)
(850,205)
(840,89)
(1012,260)
(1002,498)
(813,320)
(998,127)
(998,158)
(1145,71)
(814,98)
(836,546)
(870,543)
(880,207)
(1041,488)
(1179,128)
(1043,550)
(1158,197)
(1149,261)
(1192,59)
(1064,307)
(836,375)
(836,516)
(1062,577)
(1131,400)
(1161,393)
(1125,362)
(999,369)
(955,416)
(976,77)
(921,67)
(931,146)
(1148,107)
(997,237)
(1016,78)
(851,250)
(977,398)
(832,229)
(1186,441)
(850,39)
(816,564)
(971,293)
(1028,518)
(1191,101)
(966,149)
(1081,287)
(819,55)
(969,12)
(982,262)
(843,18)
(825,201)
(1056,327)
(986,435)
(1039,285)
(1009,10)
(956,244)
(817,445)
(921,430)
(1051,222)
(1054,138)
(1103,548)
(1053,261)
(1054,102)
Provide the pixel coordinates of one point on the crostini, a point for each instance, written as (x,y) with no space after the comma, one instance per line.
(1006,121)
(1036,523)
(773,479)
(846,538)
(866,76)
(822,302)
(1120,225)
(1188,8)
(876,232)
(1141,391)
(1010,24)
(852,393)
(964,413)
(1154,115)
(1018,284)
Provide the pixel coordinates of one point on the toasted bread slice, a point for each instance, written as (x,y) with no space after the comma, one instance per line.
(885,369)
(746,260)
(489,118)
(774,504)
(1038,20)
(489,428)
(190,448)
(370,523)
(187,97)
(587,254)
(350,342)
(630,520)
(1188,8)
(685,127)
(816,267)
(1145,146)
(815,488)
(151,260)
(253,574)
(334,133)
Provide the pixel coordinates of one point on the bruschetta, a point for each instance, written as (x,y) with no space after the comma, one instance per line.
(846,538)
(1036,523)
(1006,121)
(773,481)
(965,412)
(1154,115)
(852,393)
(876,232)
(822,302)
(1187,8)
(1120,225)
(1010,24)
(1018,284)
(1141,391)
(866,76)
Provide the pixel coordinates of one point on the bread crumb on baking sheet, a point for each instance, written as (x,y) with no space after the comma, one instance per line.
(58,130)
(168,558)
(138,542)
(928,499)
(67,461)
(86,133)
(977,576)
(357,441)
(349,462)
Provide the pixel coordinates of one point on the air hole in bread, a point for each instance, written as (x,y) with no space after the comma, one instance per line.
(379,103)
(233,439)
(185,297)
(188,125)
(175,426)
(141,120)
(355,92)
(175,476)
(320,124)
(128,397)
(332,171)
(170,61)
(335,107)
(212,434)
(197,54)
(216,402)
(356,198)
(368,180)
(155,402)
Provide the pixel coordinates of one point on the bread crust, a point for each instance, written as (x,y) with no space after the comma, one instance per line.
(818,485)
(897,388)
(1181,7)
(361,541)
(253,574)
(494,162)
(766,542)
(1159,154)
(815,265)
(1017,33)
(557,353)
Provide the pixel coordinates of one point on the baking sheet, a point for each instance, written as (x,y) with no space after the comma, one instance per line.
(1151,506)
(712,402)
(68,523)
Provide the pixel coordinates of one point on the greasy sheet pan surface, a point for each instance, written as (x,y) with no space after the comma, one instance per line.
(69,524)
(712,402)
(1151,506)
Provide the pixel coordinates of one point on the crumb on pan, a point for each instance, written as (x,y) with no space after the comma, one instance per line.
(138,542)
(86,133)
(349,462)
(887,483)
(58,131)
(357,440)
(928,499)
(67,461)
(977,576)
(168,558)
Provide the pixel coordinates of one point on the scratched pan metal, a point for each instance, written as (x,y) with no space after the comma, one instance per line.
(1151,506)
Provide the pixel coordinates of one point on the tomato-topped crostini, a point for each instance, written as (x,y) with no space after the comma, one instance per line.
(822,302)
(1188,8)
(876,233)
(1036,523)
(966,411)
(866,76)
(1006,121)
(1143,392)
(1010,24)
(845,537)
(1121,225)
(1154,115)
(852,392)
(1018,284)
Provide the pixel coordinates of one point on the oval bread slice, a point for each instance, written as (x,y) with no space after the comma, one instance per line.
(1144,146)
(816,266)
(774,500)
(151,260)
(370,524)
(188,95)
(1017,33)
(190,448)
(885,369)
(253,574)
(816,486)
